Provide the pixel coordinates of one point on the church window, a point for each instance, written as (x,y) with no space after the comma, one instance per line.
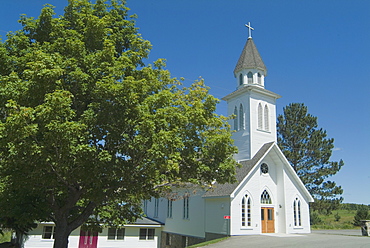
(145,206)
(260,116)
(235,119)
(169,208)
(186,208)
(241,117)
(241,79)
(266,116)
(246,211)
(156,206)
(259,78)
(265,198)
(297,212)
(250,78)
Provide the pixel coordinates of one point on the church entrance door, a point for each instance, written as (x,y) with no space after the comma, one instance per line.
(267,220)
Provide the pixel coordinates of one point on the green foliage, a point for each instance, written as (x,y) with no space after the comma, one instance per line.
(330,221)
(361,214)
(315,218)
(87,129)
(308,151)
(337,216)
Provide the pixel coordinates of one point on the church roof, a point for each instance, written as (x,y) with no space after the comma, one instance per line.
(250,58)
(247,165)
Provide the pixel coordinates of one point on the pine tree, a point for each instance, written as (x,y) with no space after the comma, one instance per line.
(308,150)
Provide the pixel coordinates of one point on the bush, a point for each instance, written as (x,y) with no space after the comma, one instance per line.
(314,218)
(361,214)
(337,217)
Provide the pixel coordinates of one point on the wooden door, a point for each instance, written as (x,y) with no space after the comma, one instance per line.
(267,220)
(88,239)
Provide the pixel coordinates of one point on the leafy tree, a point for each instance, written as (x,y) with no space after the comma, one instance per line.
(308,151)
(361,214)
(87,129)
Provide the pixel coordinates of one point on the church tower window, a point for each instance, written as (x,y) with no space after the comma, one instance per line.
(236,119)
(246,211)
(241,79)
(250,78)
(241,117)
(260,116)
(297,212)
(259,78)
(266,115)
(265,198)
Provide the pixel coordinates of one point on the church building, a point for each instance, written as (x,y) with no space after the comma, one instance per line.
(268,196)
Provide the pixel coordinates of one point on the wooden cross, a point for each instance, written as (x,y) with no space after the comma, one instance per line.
(250,29)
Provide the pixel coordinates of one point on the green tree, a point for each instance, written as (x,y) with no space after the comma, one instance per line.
(361,214)
(308,151)
(89,130)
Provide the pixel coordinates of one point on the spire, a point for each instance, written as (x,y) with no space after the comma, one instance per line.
(250,58)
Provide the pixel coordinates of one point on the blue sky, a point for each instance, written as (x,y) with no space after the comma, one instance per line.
(316,52)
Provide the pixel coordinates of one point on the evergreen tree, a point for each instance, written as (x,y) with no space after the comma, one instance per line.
(89,130)
(309,150)
(361,214)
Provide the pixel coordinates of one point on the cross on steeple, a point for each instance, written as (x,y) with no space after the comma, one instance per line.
(250,29)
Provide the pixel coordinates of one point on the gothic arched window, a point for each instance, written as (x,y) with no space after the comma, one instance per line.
(260,116)
(265,198)
(246,211)
(241,79)
(297,212)
(250,78)
(266,115)
(236,119)
(259,78)
(241,117)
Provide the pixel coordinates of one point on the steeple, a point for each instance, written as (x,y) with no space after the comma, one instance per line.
(250,58)
(253,107)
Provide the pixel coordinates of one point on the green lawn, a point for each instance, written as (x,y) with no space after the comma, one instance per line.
(329,221)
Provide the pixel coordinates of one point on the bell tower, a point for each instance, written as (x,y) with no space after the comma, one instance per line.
(253,107)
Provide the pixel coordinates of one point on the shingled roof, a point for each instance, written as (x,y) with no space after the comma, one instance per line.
(247,165)
(250,58)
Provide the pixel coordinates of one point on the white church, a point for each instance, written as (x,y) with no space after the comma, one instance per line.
(268,197)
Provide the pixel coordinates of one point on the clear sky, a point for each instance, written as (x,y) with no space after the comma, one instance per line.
(316,52)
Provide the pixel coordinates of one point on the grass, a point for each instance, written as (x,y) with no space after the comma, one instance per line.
(208,242)
(329,221)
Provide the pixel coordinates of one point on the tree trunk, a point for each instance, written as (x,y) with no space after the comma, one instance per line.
(61,235)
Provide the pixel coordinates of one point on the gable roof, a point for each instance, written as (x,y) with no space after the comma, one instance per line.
(247,165)
(227,189)
(250,58)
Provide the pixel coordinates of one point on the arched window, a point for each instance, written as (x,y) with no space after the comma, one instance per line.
(241,79)
(260,116)
(241,117)
(246,211)
(297,212)
(250,78)
(236,119)
(259,78)
(266,115)
(265,198)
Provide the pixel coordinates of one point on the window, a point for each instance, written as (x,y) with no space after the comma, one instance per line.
(265,198)
(241,79)
(116,233)
(146,234)
(48,232)
(236,119)
(259,78)
(186,208)
(250,78)
(266,115)
(297,212)
(145,206)
(169,208)
(241,117)
(246,211)
(260,116)
(156,206)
